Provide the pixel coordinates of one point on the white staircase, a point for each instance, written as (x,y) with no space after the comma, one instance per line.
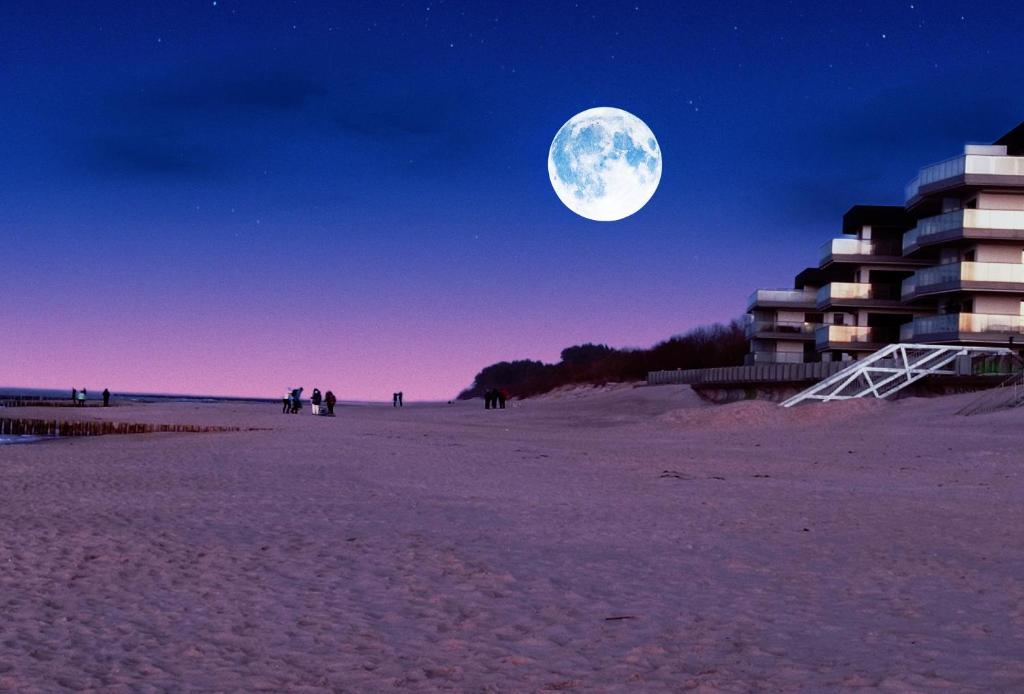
(891,369)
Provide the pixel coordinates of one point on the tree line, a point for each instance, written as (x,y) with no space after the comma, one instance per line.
(701,348)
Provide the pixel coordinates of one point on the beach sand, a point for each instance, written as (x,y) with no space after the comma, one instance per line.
(592,540)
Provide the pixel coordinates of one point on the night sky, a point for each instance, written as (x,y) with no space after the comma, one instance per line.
(234,197)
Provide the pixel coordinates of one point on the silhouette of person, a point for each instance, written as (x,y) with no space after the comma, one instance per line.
(285,401)
(106,397)
(502,395)
(401,398)
(82,395)
(316,400)
(488,395)
(329,399)
(394,399)
(74,396)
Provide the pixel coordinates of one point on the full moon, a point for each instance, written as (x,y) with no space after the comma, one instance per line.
(604,164)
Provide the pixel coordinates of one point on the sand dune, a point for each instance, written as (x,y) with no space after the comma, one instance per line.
(592,540)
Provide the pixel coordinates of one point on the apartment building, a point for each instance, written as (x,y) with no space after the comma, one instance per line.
(781,324)
(947,267)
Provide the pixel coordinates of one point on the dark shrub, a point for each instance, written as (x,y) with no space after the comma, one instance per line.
(701,348)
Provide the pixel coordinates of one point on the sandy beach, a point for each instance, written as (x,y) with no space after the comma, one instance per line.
(621,539)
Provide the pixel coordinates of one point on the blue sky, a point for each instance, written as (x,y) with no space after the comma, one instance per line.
(356,193)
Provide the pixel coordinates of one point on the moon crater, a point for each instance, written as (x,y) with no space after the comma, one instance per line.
(604,164)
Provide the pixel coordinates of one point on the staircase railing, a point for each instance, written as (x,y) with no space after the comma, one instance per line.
(891,369)
(1007,395)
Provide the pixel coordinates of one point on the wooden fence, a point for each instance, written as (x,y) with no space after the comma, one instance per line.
(758,373)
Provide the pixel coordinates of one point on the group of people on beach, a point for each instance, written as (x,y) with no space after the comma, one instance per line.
(495,398)
(323,404)
(78,397)
(320,403)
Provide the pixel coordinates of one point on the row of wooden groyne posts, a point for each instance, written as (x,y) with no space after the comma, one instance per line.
(40,401)
(50,428)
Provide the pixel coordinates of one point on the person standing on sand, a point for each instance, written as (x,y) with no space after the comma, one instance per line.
(487,399)
(106,397)
(315,401)
(502,397)
(401,398)
(330,400)
(82,395)
(74,396)
(394,399)
(286,401)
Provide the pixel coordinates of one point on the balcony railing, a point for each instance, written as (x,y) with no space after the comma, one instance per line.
(841,247)
(1003,273)
(860,291)
(854,335)
(780,326)
(933,325)
(847,334)
(909,287)
(948,168)
(1010,220)
(968,323)
(797,297)
(940,274)
(774,358)
(976,164)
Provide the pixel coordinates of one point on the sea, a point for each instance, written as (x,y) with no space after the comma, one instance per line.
(96,395)
(18,439)
(93,396)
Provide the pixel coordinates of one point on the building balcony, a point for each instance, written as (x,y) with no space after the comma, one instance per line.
(782,298)
(963,327)
(853,337)
(780,330)
(858,294)
(860,251)
(965,169)
(773,358)
(965,224)
(957,277)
